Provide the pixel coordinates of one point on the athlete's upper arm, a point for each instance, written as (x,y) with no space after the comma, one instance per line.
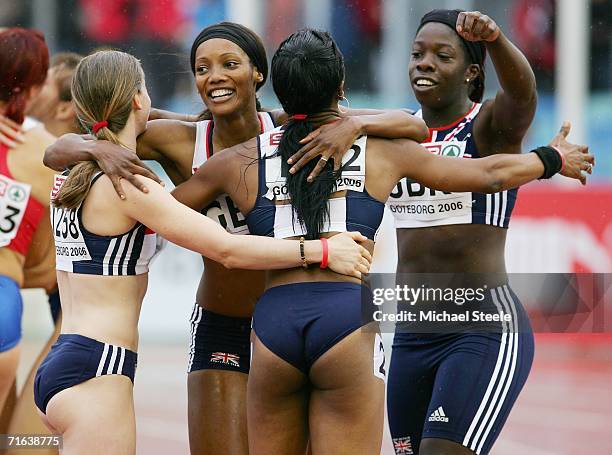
(39,267)
(161,212)
(409,159)
(502,123)
(167,141)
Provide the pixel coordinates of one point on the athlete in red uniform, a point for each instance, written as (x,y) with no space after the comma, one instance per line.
(24,185)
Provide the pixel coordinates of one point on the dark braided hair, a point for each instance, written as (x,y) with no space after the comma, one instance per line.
(307,72)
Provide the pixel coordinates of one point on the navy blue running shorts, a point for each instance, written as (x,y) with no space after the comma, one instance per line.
(300,322)
(219,342)
(458,386)
(74,359)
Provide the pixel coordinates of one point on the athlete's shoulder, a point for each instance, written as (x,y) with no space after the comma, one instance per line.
(37,139)
(247,150)
(104,196)
(28,164)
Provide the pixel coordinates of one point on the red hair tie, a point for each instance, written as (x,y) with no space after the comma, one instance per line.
(98,126)
(299,117)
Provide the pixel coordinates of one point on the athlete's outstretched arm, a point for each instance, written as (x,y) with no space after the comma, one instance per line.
(504,120)
(179,224)
(72,148)
(483,175)
(333,140)
(160,114)
(168,142)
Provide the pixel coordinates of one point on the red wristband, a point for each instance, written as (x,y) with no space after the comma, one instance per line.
(561,155)
(325,253)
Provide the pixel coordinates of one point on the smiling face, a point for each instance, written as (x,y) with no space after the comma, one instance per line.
(225,77)
(438,67)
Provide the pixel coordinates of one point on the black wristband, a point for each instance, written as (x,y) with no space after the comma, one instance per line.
(551,159)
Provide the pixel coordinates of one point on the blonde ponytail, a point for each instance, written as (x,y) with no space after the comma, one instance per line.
(103,87)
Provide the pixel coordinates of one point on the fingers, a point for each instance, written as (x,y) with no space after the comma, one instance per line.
(585,166)
(468,25)
(565,129)
(312,152)
(311,136)
(363,270)
(10,137)
(365,264)
(116,181)
(137,183)
(460,22)
(8,141)
(337,163)
(317,169)
(300,153)
(366,254)
(480,26)
(11,123)
(357,236)
(146,171)
(475,26)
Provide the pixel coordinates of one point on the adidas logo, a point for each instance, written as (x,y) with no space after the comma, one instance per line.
(438,416)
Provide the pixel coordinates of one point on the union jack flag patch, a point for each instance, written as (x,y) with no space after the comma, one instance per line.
(227,359)
(403,446)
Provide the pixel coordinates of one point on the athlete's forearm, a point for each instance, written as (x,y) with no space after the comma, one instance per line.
(483,175)
(393,124)
(513,70)
(511,171)
(157,114)
(255,252)
(187,228)
(68,150)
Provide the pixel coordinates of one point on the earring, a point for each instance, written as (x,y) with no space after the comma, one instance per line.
(468,80)
(348,105)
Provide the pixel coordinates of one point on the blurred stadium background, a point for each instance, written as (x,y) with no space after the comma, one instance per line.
(558,227)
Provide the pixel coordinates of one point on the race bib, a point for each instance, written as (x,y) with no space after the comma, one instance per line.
(14,198)
(223,211)
(69,242)
(414,205)
(353,169)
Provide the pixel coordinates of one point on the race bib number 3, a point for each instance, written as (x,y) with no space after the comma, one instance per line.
(14,198)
